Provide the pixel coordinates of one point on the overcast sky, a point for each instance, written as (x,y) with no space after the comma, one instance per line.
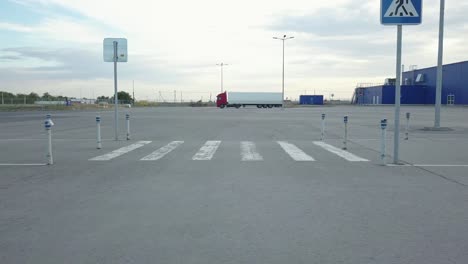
(55,46)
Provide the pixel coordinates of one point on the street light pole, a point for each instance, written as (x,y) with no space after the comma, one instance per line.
(438,101)
(284,38)
(222,65)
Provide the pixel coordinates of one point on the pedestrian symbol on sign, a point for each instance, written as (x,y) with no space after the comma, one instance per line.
(401,8)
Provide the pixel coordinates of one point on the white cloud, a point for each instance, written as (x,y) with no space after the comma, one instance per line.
(14,27)
(185,39)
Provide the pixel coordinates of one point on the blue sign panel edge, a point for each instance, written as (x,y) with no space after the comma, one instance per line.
(400,21)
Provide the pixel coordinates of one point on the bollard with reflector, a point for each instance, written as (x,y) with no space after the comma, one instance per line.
(408,115)
(345,141)
(383,142)
(48,127)
(98,124)
(322,137)
(127,117)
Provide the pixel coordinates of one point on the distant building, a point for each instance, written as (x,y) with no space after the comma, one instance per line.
(419,87)
(311,100)
(75,101)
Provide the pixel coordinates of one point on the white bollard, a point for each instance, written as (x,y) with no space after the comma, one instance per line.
(408,115)
(48,126)
(98,123)
(322,137)
(345,141)
(127,117)
(383,142)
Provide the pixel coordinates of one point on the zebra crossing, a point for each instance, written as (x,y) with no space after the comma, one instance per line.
(248,151)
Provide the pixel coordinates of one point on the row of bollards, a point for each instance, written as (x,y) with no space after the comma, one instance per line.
(98,124)
(345,138)
(383,135)
(48,124)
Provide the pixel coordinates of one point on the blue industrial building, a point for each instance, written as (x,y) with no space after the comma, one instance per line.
(419,87)
(311,100)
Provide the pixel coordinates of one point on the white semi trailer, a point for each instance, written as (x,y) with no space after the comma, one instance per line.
(238,99)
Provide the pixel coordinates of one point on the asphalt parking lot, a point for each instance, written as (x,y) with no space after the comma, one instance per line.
(205,185)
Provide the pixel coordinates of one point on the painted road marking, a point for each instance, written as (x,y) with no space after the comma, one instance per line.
(427,165)
(207,151)
(342,153)
(249,152)
(119,152)
(160,153)
(18,164)
(294,152)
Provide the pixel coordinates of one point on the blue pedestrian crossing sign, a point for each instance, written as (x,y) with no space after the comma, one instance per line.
(401,12)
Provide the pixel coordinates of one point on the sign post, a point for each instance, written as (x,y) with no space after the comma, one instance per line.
(115,50)
(48,124)
(345,141)
(408,115)
(322,136)
(399,13)
(98,136)
(383,142)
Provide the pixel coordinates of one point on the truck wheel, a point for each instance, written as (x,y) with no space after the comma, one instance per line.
(264,106)
(270,106)
(238,106)
(222,106)
(259,106)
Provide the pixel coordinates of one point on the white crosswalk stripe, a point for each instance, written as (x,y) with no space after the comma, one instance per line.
(249,152)
(121,151)
(342,153)
(294,152)
(160,153)
(207,151)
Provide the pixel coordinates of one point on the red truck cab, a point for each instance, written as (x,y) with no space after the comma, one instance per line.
(221,100)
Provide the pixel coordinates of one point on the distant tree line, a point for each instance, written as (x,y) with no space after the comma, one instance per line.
(122,96)
(32,97)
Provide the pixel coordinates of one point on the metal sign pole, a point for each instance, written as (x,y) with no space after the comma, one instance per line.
(396,139)
(115,92)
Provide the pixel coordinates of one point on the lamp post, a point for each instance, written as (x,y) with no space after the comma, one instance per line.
(284,38)
(222,65)
(438,101)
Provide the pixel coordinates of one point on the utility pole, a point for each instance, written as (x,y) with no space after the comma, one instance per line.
(133,92)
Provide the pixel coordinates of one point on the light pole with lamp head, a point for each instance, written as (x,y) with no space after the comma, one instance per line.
(284,38)
(222,65)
